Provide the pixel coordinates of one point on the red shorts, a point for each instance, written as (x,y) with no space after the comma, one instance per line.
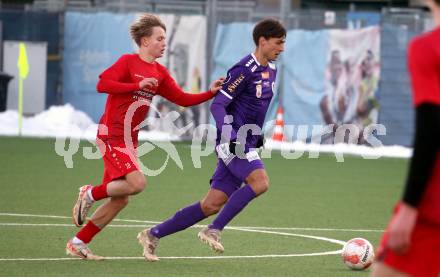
(118,160)
(423,257)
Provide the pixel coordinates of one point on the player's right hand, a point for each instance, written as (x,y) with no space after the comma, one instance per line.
(401,228)
(148,82)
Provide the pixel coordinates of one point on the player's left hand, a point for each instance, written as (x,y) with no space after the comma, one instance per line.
(401,228)
(216,85)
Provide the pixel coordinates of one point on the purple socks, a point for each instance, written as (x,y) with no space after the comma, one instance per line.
(235,204)
(183,219)
(192,214)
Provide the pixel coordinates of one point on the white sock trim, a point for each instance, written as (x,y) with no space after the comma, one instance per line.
(76,240)
(89,194)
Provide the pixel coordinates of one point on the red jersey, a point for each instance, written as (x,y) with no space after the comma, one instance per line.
(126,100)
(424,67)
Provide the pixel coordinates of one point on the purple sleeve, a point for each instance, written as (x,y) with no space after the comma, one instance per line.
(232,86)
(218,110)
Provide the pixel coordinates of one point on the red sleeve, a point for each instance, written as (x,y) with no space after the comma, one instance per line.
(172,92)
(110,81)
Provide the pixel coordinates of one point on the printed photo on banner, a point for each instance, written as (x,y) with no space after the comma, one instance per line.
(184,59)
(351,80)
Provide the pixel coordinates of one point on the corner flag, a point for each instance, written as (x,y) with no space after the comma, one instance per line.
(23,69)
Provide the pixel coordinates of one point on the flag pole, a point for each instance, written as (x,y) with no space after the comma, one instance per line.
(23,69)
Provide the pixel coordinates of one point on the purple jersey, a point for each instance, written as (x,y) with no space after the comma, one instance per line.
(245,95)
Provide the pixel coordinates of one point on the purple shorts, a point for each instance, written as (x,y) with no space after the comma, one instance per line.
(229,178)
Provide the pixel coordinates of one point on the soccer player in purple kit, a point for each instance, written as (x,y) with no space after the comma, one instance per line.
(239,112)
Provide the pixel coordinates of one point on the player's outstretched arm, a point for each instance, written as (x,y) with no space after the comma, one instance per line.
(172,92)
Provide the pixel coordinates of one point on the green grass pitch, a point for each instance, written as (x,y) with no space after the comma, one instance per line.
(319,197)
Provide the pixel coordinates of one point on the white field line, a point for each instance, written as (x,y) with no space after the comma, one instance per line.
(201,226)
(69,217)
(340,242)
(136,226)
(185,258)
(67,225)
(245,229)
(335,252)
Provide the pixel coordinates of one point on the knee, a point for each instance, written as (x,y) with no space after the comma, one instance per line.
(263,185)
(210,208)
(138,184)
(259,185)
(121,201)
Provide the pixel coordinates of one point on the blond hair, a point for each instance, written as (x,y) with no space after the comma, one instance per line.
(143,27)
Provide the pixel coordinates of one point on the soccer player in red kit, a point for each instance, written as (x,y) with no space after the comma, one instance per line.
(130,83)
(410,245)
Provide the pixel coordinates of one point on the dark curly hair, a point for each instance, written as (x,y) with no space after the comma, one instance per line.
(269,28)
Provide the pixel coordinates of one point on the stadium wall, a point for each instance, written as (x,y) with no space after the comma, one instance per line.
(396,30)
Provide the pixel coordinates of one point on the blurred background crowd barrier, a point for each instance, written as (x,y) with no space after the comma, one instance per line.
(341,65)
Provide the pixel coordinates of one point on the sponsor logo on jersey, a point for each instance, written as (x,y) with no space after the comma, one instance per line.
(265,75)
(254,68)
(145,93)
(143,96)
(233,86)
(259,90)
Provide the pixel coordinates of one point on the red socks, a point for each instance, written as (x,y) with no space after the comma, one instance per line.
(99,192)
(87,233)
